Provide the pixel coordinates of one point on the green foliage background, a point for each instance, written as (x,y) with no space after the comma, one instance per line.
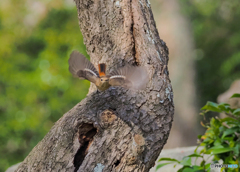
(216,27)
(36,38)
(35,85)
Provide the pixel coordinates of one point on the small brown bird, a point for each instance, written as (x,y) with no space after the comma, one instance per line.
(127,76)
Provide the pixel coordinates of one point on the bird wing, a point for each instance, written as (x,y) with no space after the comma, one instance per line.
(82,68)
(135,77)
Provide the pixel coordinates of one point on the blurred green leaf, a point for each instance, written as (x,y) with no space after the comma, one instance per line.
(229,131)
(215,150)
(161,165)
(224,107)
(236,95)
(236,111)
(168,159)
(194,168)
(202,163)
(186,161)
(195,155)
(236,149)
(207,166)
(211,106)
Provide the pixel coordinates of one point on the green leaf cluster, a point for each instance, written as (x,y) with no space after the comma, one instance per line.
(221,140)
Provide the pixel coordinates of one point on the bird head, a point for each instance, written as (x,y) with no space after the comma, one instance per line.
(104,79)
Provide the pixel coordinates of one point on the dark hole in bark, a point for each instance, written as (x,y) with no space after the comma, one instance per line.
(117,163)
(113,109)
(86,133)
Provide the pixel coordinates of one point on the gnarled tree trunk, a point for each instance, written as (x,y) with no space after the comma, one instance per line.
(118,129)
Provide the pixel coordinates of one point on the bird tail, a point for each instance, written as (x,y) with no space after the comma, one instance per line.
(102,69)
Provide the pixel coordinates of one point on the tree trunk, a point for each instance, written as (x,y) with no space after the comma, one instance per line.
(118,129)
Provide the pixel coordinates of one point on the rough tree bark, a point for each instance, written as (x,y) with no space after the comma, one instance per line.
(118,129)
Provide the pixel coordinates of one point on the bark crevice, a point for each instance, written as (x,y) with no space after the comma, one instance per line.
(133,34)
(86,133)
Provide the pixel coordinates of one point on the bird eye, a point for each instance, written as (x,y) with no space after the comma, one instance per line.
(101,79)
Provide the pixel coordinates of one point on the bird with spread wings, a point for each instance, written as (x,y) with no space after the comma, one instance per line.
(131,77)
